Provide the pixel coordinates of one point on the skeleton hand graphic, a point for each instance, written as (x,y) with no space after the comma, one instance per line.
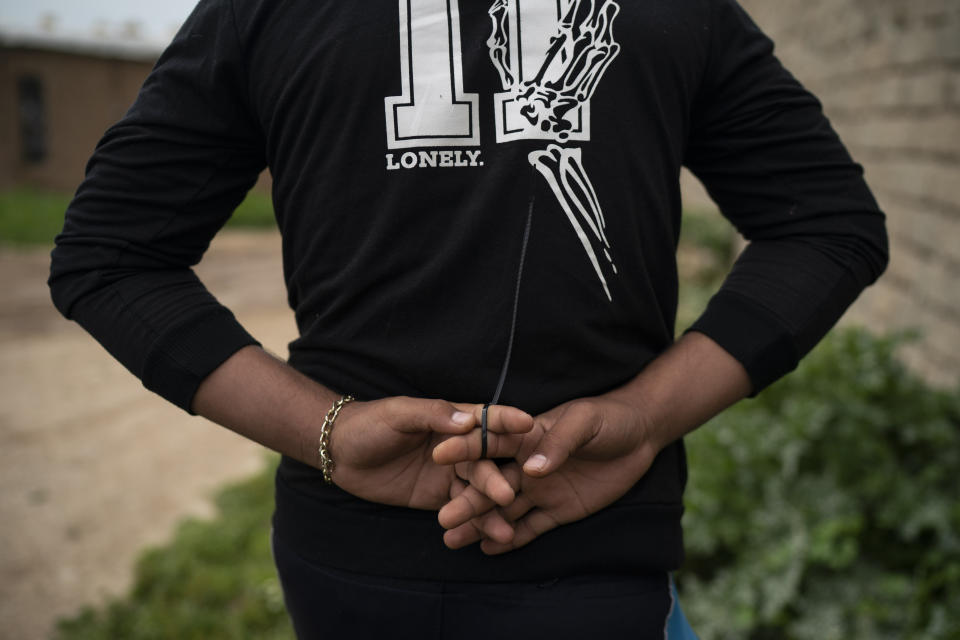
(578,55)
(575,59)
(563,171)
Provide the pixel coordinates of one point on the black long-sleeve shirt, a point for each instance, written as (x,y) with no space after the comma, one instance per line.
(408,142)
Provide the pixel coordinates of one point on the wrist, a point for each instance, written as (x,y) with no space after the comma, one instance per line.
(326,461)
(649,437)
(684,387)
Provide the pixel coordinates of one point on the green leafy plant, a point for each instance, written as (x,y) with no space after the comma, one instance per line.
(828,506)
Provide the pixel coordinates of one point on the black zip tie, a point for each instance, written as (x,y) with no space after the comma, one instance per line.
(483,432)
(516,301)
(513,328)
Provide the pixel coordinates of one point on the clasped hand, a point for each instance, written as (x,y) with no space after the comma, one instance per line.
(383,450)
(564,465)
(577,459)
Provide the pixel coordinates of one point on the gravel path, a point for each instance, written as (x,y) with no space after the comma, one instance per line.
(93,468)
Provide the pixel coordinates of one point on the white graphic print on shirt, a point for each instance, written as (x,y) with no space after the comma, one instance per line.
(550,56)
(566,47)
(432,110)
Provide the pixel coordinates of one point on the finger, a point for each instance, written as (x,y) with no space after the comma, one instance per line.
(528,529)
(466,506)
(500,418)
(518,508)
(414,415)
(490,526)
(493,526)
(485,476)
(521,503)
(469,446)
(572,430)
(465,534)
(468,502)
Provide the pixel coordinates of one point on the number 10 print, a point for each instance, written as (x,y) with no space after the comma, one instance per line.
(550,55)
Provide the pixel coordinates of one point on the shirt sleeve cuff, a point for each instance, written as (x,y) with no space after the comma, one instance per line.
(752,335)
(181,358)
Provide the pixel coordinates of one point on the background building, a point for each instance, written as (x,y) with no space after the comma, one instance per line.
(57,97)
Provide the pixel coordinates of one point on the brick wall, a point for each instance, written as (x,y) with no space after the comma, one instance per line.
(888,73)
(82,95)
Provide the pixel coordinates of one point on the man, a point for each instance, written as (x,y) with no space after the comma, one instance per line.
(479,202)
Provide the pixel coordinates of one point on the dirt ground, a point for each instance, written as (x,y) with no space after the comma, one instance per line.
(93,468)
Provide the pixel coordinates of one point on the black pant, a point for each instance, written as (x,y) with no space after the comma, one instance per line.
(330,603)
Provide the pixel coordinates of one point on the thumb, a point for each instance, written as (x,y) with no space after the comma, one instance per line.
(416,415)
(572,430)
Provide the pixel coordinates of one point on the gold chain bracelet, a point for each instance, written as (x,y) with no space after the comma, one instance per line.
(326,461)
